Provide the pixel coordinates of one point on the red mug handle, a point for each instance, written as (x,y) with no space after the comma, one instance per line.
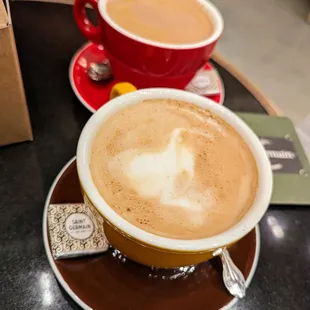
(90,31)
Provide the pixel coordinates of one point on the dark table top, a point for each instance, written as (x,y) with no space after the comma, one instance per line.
(46,39)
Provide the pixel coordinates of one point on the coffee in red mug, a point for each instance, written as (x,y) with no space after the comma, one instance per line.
(153,43)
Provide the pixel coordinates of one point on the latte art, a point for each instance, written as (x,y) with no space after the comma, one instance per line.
(167,175)
(173,169)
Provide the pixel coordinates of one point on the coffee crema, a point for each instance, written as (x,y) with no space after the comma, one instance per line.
(173,169)
(164,21)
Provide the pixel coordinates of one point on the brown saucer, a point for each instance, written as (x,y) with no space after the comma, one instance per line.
(108,281)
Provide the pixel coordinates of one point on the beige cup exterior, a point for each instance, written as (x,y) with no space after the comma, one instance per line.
(150,249)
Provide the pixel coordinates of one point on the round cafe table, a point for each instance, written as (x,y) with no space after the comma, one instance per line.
(46,38)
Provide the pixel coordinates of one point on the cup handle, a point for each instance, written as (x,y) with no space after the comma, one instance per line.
(89,30)
(121,89)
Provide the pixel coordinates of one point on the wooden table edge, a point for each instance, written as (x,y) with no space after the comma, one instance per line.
(268,105)
(308,15)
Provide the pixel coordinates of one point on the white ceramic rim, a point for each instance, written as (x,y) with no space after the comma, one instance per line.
(66,286)
(48,252)
(244,226)
(214,14)
(92,110)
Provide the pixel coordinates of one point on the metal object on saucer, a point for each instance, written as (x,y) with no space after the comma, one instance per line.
(232,276)
(99,71)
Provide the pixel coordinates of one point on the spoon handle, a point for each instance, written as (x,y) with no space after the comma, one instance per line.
(232,276)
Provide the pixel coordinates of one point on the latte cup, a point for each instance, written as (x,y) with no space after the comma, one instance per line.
(151,249)
(143,62)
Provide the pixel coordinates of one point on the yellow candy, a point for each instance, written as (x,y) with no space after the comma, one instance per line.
(121,89)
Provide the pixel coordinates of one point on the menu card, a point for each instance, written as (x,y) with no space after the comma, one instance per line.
(289,163)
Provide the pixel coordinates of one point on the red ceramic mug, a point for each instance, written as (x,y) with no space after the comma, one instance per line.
(142,62)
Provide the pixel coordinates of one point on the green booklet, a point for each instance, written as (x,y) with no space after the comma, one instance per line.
(290,166)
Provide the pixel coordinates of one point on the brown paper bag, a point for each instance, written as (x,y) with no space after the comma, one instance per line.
(14,118)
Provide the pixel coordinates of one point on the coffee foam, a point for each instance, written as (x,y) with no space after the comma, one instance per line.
(169,21)
(173,169)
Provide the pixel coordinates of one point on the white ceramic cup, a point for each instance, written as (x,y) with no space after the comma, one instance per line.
(151,249)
